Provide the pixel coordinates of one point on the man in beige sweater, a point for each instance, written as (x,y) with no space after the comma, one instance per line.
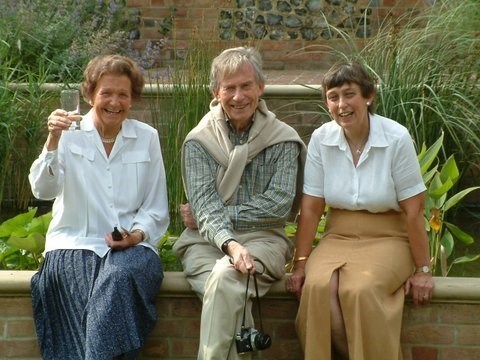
(242,170)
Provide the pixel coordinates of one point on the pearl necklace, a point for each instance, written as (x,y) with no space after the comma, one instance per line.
(108,140)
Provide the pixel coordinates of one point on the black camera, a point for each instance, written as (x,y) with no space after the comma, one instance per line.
(116,234)
(250,339)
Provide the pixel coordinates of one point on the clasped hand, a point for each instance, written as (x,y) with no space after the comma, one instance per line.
(128,239)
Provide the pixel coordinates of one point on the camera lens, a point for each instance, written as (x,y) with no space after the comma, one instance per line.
(261,341)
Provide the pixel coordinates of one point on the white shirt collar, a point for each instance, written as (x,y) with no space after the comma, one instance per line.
(127,130)
(376,138)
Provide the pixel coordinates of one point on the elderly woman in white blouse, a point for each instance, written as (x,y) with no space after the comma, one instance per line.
(94,295)
(352,285)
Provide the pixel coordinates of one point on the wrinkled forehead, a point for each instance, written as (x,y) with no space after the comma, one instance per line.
(244,68)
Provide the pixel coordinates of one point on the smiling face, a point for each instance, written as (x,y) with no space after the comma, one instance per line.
(111,103)
(348,107)
(239,93)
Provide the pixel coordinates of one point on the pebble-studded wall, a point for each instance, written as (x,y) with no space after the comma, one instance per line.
(294,19)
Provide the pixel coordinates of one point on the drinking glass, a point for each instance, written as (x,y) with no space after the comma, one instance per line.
(70,101)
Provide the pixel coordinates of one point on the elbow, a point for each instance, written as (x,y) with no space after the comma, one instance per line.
(43,195)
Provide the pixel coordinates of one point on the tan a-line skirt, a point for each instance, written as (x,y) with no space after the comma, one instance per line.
(372,255)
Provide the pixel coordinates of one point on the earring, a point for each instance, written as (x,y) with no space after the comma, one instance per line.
(368,103)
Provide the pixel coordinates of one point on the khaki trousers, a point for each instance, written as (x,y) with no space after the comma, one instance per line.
(222,289)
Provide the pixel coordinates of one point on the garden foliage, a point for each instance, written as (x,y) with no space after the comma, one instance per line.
(62,35)
(426,63)
(22,242)
(44,41)
(440,180)
(427,66)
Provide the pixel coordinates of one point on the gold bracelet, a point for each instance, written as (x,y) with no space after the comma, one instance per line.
(301,258)
(141,233)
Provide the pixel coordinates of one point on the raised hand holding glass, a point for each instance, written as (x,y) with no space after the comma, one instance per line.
(70,101)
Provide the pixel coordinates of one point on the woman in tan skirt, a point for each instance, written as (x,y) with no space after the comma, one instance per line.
(375,248)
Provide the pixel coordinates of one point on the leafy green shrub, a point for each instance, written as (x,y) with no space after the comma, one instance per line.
(170,261)
(24,110)
(7,113)
(442,234)
(427,66)
(175,109)
(22,242)
(64,35)
(49,41)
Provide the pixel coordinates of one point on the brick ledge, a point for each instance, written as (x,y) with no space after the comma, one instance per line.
(448,289)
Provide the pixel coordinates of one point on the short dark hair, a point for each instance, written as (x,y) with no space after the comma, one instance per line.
(347,72)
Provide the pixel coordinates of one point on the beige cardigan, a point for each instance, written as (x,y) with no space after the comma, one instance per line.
(212,133)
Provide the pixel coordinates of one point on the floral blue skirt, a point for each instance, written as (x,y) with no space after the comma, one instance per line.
(91,308)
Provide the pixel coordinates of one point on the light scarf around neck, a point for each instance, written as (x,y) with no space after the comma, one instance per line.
(212,133)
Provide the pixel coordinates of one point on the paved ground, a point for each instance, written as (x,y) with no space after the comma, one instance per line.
(274,77)
(293,77)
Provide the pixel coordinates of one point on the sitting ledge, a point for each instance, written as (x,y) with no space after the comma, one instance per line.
(463,289)
(448,328)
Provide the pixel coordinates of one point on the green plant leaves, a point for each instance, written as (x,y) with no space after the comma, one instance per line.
(448,243)
(34,243)
(23,240)
(439,181)
(427,156)
(17,223)
(465,259)
(455,199)
(460,234)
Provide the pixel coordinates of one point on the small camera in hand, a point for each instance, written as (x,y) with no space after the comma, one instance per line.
(116,234)
(250,339)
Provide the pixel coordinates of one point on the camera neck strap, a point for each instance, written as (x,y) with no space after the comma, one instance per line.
(258,301)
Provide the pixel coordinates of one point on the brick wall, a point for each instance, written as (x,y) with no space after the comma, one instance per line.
(296,105)
(288,32)
(447,329)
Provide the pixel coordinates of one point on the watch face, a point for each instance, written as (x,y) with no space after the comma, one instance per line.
(425,269)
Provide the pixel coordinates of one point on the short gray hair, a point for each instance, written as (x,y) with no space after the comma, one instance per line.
(230,60)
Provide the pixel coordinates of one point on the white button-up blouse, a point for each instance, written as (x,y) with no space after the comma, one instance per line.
(387,172)
(93,192)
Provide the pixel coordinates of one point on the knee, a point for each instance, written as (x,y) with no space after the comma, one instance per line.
(315,286)
(222,275)
(359,291)
(225,281)
(119,274)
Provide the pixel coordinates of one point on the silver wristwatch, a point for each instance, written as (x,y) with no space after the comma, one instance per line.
(424,269)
